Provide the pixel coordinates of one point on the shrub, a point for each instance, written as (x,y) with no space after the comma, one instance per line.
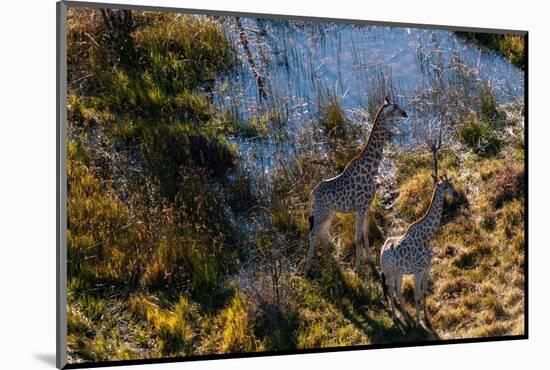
(488,108)
(332,119)
(265,283)
(255,127)
(480,137)
(511,47)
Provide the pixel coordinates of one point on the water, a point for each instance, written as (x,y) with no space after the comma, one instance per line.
(299,63)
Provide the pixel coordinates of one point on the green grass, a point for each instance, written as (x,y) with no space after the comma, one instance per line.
(149,98)
(480,137)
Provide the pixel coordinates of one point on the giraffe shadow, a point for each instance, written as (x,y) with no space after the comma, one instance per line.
(363,305)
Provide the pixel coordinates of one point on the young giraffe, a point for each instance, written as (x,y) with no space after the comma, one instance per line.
(411,252)
(354,188)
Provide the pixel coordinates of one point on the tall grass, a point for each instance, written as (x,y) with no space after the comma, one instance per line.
(144,144)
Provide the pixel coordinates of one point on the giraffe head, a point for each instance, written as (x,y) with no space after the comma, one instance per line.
(391,110)
(390,113)
(445,185)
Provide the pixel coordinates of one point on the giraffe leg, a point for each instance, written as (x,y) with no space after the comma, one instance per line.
(398,282)
(365,230)
(313,236)
(425,293)
(390,281)
(325,232)
(418,276)
(358,235)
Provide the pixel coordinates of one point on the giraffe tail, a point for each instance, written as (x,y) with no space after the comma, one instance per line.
(310,218)
(384,286)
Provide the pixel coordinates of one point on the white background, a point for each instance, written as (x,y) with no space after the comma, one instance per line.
(27,183)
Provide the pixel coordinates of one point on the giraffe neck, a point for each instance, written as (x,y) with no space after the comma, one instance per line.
(428,225)
(373,150)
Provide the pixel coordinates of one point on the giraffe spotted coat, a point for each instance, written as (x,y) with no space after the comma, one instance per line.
(352,190)
(411,254)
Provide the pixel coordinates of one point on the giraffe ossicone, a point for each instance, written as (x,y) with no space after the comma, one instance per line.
(352,191)
(411,253)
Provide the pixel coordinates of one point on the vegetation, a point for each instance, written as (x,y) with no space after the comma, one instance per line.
(510,46)
(175,248)
(480,133)
(477,284)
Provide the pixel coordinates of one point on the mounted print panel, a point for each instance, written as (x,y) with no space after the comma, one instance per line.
(238,185)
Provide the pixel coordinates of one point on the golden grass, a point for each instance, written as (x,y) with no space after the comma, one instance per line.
(238,335)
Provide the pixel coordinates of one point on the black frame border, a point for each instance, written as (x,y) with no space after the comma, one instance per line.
(61,187)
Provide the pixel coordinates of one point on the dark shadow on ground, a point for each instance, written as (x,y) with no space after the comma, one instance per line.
(357,307)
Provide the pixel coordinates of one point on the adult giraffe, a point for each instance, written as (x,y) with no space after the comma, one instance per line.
(352,190)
